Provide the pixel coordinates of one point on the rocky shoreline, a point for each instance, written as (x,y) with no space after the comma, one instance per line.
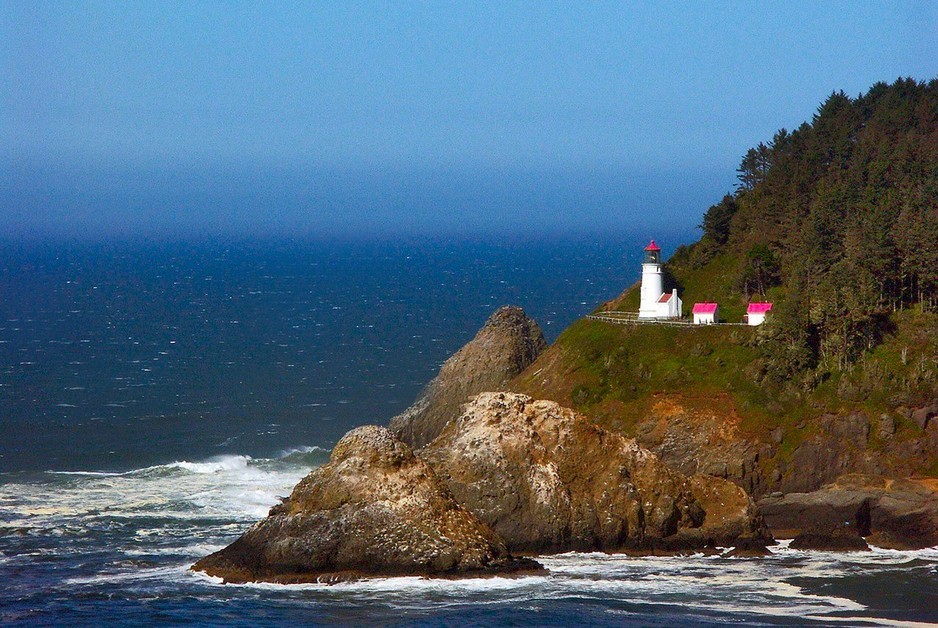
(469,482)
(374,509)
(511,478)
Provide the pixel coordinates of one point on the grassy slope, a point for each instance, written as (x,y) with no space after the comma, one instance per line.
(614,373)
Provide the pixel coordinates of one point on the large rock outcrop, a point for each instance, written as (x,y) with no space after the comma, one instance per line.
(892,513)
(547,479)
(505,346)
(373,509)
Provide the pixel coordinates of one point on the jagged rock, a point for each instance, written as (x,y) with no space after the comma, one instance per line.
(548,480)
(731,516)
(839,447)
(504,347)
(373,509)
(893,513)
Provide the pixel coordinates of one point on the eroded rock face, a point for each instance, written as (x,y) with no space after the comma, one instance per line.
(373,509)
(839,447)
(704,442)
(504,347)
(547,479)
(892,513)
(696,440)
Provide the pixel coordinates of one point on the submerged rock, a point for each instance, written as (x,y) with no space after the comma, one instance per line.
(840,539)
(505,346)
(373,510)
(549,480)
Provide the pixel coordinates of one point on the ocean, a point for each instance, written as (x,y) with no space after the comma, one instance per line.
(157,398)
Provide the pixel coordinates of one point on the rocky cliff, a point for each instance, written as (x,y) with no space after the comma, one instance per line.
(728,428)
(373,509)
(510,474)
(549,480)
(693,396)
(504,347)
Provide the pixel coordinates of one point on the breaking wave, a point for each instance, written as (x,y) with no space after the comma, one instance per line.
(137,533)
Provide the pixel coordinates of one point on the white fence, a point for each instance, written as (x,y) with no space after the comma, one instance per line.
(631,318)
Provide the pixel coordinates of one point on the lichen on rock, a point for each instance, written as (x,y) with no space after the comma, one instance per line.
(547,480)
(373,509)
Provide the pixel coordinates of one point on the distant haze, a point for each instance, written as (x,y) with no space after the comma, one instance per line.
(341,119)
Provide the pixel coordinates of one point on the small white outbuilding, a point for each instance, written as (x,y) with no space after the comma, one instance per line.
(669,305)
(705,313)
(755,313)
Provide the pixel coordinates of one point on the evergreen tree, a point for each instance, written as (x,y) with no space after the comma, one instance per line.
(845,207)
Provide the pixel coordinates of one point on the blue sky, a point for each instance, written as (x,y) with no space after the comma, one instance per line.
(156,119)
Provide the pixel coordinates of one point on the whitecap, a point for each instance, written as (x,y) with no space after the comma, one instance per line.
(234,488)
(304,449)
(215,465)
(85,473)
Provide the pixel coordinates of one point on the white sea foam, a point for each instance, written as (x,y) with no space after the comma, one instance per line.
(302,450)
(695,583)
(233,488)
(100,474)
(869,621)
(183,510)
(215,465)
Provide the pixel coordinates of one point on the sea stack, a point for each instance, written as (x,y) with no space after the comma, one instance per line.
(373,510)
(505,346)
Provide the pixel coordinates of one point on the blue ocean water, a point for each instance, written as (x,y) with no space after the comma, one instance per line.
(157,399)
(117,357)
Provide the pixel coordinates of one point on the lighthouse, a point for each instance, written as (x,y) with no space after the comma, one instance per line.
(655,302)
(652,286)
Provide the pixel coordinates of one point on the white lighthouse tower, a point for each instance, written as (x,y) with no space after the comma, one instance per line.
(652,285)
(656,303)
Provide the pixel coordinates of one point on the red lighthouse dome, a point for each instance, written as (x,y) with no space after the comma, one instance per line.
(652,254)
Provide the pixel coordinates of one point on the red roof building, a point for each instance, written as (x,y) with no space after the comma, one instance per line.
(652,247)
(755,313)
(705,313)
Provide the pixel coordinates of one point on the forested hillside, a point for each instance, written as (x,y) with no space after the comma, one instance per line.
(838,221)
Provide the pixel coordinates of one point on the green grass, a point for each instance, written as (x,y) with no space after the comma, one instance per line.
(615,374)
(617,364)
